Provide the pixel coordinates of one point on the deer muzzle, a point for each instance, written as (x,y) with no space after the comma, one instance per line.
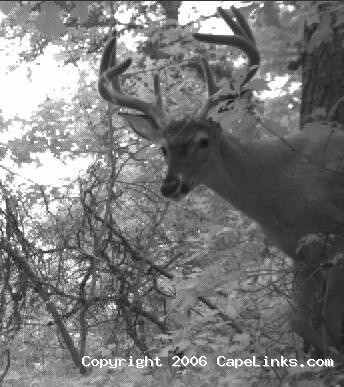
(174,189)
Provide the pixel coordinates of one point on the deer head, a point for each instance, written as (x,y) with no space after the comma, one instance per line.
(190,145)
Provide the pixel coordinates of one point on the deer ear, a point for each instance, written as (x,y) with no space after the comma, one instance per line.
(144,126)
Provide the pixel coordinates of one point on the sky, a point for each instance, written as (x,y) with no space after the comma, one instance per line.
(42,83)
(21,95)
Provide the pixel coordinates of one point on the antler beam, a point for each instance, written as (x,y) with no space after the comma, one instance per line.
(109,87)
(242,39)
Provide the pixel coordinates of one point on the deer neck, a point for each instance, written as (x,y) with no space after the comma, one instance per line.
(235,174)
(244,176)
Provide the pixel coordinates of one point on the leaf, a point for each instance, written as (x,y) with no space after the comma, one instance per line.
(242,338)
(3,151)
(49,21)
(21,15)
(231,311)
(182,344)
(258,84)
(106,352)
(81,10)
(7,6)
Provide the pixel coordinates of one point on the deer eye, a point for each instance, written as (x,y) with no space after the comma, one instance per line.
(163,151)
(203,143)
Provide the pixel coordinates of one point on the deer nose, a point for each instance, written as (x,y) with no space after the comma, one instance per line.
(171,188)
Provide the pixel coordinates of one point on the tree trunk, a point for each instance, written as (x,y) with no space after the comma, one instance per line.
(171,9)
(323,62)
(323,99)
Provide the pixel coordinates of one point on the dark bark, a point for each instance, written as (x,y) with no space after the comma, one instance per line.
(171,9)
(323,63)
(322,92)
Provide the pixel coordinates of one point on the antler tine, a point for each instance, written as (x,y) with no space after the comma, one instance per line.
(241,21)
(157,92)
(104,65)
(109,87)
(243,39)
(211,86)
(235,26)
(208,77)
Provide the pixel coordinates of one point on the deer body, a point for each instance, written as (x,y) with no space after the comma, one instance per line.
(292,187)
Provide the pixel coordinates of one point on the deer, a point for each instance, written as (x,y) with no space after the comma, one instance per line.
(292,186)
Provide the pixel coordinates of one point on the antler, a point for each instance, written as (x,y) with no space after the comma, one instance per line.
(109,87)
(243,38)
(108,82)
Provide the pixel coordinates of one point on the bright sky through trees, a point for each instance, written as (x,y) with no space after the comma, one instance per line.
(26,86)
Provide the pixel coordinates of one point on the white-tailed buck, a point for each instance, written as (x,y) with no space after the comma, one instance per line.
(292,186)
